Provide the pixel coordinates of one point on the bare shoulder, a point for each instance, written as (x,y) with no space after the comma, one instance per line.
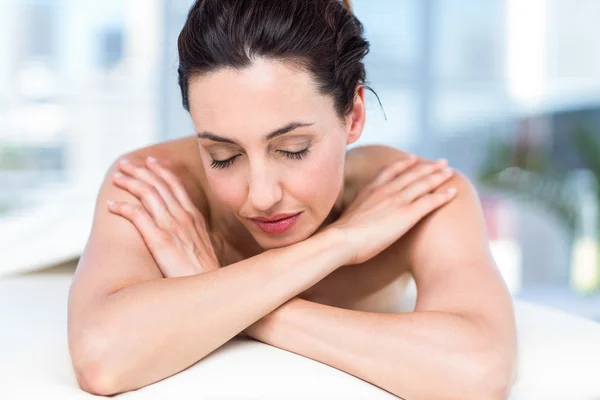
(182,157)
(115,255)
(375,156)
(364,162)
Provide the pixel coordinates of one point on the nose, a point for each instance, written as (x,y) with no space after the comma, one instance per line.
(264,188)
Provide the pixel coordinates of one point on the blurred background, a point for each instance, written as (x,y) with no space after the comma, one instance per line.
(507,90)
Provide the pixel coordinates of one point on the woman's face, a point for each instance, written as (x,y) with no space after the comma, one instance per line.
(272,146)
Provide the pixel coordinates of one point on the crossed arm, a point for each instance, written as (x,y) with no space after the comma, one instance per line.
(459,343)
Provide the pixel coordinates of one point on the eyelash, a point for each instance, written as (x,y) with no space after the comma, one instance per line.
(226,163)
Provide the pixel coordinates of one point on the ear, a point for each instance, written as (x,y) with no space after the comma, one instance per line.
(357,116)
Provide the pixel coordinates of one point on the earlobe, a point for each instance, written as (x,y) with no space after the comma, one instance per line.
(353,136)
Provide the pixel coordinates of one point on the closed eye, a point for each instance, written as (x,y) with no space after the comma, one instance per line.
(297,156)
(218,164)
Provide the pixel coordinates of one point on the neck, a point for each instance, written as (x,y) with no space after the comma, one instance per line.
(335,211)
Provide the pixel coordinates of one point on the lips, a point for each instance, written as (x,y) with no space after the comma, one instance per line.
(273,218)
(276,224)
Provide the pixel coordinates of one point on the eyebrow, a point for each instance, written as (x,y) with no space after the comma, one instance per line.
(278,132)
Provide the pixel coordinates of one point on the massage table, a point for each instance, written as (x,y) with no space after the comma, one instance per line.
(559,356)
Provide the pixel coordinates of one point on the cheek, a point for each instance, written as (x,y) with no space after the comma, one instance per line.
(226,189)
(320,181)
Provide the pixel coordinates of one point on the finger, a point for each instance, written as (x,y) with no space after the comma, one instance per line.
(391,171)
(175,184)
(149,177)
(140,218)
(418,172)
(185,210)
(425,185)
(386,174)
(429,203)
(148,196)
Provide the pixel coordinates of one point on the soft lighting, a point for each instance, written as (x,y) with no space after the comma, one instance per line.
(526,48)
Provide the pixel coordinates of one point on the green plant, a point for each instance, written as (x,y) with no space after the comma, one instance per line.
(527,172)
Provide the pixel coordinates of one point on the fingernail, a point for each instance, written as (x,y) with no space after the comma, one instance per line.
(452,191)
(110,202)
(123,161)
(151,159)
(118,175)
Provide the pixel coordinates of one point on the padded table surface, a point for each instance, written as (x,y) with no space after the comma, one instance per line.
(559,357)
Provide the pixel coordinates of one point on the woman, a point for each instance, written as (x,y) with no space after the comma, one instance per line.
(263,224)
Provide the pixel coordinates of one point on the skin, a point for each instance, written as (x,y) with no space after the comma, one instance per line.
(263,181)
(350,190)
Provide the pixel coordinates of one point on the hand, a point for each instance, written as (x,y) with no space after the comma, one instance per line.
(389,206)
(172,227)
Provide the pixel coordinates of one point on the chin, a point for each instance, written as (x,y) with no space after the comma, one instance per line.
(275,241)
(267,241)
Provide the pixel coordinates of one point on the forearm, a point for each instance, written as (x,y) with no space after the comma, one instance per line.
(416,355)
(152,330)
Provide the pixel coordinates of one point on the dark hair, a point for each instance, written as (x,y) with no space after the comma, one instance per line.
(320,36)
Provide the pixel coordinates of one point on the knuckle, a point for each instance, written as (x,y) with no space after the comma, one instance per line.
(366,189)
(129,210)
(381,190)
(167,173)
(149,191)
(441,177)
(410,176)
(120,177)
(429,168)
(126,208)
(424,204)
(432,198)
(383,176)
(186,218)
(439,198)
(400,199)
(419,188)
(408,161)
(131,169)
(162,238)
(434,180)
(137,211)
(179,231)
(402,165)
(176,180)
(170,224)
(119,208)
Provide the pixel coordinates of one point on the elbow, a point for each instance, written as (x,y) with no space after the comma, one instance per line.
(94,379)
(94,364)
(500,389)
(496,379)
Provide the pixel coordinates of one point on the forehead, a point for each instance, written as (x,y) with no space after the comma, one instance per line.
(267,92)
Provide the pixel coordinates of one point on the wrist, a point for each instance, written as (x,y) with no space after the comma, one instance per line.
(334,240)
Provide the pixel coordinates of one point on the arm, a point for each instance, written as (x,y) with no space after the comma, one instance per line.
(129,327)
(404,354)
(460,343)
(151,330)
